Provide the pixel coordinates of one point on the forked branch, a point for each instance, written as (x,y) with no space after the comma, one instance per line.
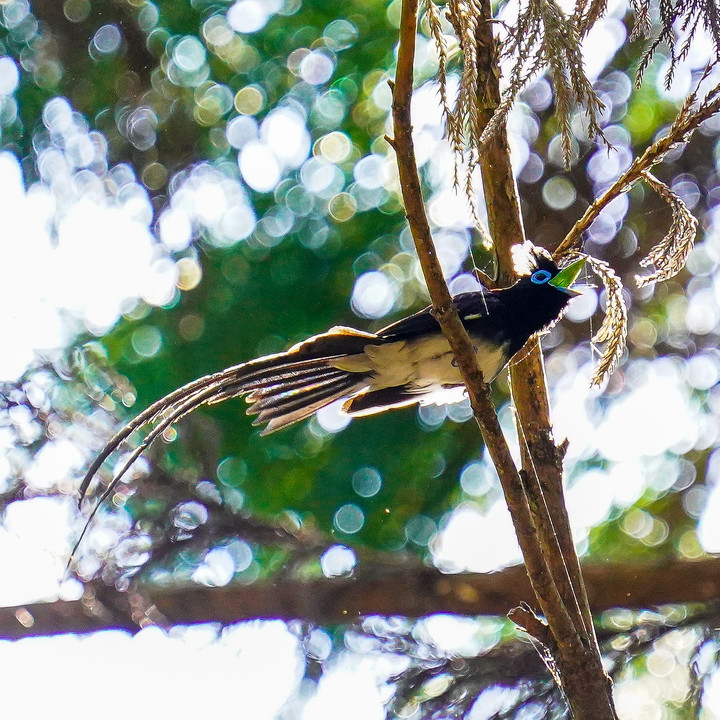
(579,672)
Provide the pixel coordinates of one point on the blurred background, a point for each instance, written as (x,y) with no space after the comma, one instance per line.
(188,185)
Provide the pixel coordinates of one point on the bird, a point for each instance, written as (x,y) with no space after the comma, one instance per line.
(405,363)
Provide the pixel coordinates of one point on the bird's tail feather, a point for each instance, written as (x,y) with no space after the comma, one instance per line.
(281,389)
(284,409)
(278,380)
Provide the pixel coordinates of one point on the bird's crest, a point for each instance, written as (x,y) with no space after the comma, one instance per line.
(527,258)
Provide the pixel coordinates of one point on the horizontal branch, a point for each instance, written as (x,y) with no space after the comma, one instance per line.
(386,592)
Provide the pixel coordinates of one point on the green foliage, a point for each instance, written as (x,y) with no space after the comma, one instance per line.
(269,290)
(293,274)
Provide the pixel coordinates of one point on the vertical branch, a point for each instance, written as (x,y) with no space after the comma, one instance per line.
(541,460)
(575,662)
(501,196)
(444,310)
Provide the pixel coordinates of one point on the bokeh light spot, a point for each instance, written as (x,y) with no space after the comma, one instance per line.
(76,10)
(559,193)
(369,171)
(476,479)
(342,206)
(175,229)
(249,100)
(189,273)
(216,31)
(191,327)
(189,54)
(583,306)
(241,553)
(374,294)
(316,67)
(154,175)
(285,131)
(420,530)
(241,130)
(107,39)
(340,34)
(213,101)
(259,166)
(332,419)
(9,76)
(366,482)
(146,340)
(249,16)
(349,519)
(189,515)
(335,147)
(217,568)
(337,561)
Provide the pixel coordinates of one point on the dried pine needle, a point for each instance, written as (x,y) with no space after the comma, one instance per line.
(613,331)
(670,254)
(541,37)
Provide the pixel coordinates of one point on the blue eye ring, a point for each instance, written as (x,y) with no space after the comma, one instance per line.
(540,277)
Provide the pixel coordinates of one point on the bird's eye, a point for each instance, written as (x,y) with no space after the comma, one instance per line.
(540,277)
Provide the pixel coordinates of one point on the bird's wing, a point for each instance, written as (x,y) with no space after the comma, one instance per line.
(470,305)
(338,340)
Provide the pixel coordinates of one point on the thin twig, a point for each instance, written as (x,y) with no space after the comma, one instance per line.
(680,132)
(562,626)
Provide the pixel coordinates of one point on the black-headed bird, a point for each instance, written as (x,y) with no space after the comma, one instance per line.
(407,362)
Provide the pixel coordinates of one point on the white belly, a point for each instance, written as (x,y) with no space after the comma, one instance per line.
(425,365)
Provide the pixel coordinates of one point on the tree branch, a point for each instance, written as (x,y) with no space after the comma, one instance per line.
(484,412)
(577,654)
(528,375)
(577,659)
(680,131)
(373,591)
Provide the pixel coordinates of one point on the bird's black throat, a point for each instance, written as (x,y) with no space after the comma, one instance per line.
(515,313)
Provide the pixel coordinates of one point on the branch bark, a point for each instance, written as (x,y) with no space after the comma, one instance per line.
(681,130)
(453,329)
(574,648)
(541,461)
(388,591)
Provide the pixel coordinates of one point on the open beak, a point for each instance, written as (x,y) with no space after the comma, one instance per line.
(567,276)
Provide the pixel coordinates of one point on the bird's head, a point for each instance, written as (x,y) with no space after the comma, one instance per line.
(542,292)
(536,267)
